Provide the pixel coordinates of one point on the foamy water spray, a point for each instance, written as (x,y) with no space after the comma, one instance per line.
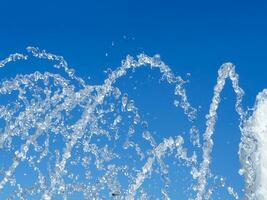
(41,114)
(253,150)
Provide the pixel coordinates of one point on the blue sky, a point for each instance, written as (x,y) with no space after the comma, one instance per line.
(190,36)
(193,37)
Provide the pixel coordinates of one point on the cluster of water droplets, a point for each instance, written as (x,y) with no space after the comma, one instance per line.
(74,130)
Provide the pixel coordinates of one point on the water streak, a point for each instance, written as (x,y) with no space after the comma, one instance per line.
(40,114)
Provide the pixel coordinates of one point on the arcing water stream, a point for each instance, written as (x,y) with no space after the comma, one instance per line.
(66,125)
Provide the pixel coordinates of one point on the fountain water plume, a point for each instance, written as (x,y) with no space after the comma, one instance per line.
(41,107)
(64,100)
(252,151)
(227,70)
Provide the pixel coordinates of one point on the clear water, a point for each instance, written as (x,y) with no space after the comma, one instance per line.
(61,138)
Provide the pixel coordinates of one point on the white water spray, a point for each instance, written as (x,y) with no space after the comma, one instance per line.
(253,150)
(42,110)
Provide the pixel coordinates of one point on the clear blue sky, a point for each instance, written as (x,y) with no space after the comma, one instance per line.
(191,36)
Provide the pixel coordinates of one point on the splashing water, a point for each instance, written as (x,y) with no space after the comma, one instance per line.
(70,127)
(253,150)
